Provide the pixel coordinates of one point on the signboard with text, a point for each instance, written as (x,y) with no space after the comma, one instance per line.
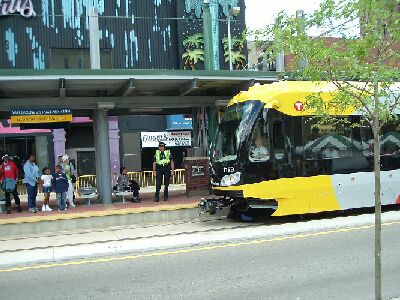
(34,116)
(170,138)
(179,122)
(23,7)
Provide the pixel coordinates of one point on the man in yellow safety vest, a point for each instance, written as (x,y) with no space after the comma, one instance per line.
(163,166)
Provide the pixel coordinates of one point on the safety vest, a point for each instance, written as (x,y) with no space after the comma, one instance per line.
(163,162)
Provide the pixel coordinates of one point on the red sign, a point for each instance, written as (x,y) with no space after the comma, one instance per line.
(299,106)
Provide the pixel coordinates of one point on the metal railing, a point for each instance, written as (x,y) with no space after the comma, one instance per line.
(144,179)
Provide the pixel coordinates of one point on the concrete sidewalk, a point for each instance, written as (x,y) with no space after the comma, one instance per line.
(138,239)
(177,208)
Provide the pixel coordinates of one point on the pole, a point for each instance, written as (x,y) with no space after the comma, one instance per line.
(230,42)
(378,208)
(94,38)
(300,15)
(208,37)
(100,119)
(102,144)
(280,62)
(95,64)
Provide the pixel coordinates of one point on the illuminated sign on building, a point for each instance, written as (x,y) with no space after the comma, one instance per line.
(23,7)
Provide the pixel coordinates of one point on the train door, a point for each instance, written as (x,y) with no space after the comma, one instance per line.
(281,145)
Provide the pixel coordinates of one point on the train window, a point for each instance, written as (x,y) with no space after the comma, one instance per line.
(260,147)
(277,134)
(327,141)
(278,143)
(389,144)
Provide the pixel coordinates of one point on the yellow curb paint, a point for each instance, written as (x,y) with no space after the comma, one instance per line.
(99,213)
(193,250)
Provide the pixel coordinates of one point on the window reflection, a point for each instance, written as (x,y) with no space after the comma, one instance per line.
(389,145)
(327,141)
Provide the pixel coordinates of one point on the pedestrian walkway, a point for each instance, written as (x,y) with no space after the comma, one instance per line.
(177,208)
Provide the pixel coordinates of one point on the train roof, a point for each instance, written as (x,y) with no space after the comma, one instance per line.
(290,97)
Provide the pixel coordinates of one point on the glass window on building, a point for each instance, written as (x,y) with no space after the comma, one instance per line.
(18,148)
(78,58)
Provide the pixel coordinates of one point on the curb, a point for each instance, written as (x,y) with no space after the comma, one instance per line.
(98,219)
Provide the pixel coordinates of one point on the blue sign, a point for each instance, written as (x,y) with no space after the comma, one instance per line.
(179,122)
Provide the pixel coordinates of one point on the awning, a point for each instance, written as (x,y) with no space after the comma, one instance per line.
(123,91)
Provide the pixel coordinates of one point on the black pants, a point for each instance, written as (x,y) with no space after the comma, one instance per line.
(15,195)
(163,171)
(135,188)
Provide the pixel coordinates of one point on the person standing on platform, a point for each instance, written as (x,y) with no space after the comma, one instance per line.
(31,177)
(61,185)
(163,167)
(9,172)
(69,171)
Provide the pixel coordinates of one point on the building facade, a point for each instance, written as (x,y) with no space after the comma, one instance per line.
(151,34)
(133,34)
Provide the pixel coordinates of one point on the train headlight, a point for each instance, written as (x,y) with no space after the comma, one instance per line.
(231,179)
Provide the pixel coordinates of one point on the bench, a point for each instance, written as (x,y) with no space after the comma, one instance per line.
(88,193)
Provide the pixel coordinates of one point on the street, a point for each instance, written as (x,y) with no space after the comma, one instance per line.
(336,264)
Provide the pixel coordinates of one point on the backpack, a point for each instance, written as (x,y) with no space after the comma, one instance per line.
(9,185)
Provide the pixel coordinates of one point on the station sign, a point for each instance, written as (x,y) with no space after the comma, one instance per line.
(37,116)
(170,138)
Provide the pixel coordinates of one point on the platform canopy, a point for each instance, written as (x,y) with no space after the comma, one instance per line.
(123,91)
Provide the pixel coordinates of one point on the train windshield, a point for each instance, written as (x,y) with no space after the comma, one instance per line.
(236,125)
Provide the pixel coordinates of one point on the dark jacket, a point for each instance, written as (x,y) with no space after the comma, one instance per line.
(60,182)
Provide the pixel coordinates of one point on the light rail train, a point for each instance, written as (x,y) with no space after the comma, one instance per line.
(270,155)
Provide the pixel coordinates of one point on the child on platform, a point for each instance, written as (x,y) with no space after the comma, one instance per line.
(46,180)
(60,183)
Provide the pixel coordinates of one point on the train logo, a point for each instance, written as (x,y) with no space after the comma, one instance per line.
(299,106)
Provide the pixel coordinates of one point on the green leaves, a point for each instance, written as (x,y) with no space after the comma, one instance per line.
(192,57)
(237,43)
(194,41)
(194,52)
(345,42)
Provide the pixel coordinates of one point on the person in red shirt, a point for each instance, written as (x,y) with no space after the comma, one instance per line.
(10,170)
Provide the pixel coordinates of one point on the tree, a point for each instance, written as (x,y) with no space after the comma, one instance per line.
(238,59)
(363,64)
(194,52)
(194,41)
(192,57)
(237,43)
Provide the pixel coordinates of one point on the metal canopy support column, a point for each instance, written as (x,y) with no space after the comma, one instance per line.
(103,165)
(195,125)
(208,37)
(100,129)
(94,38)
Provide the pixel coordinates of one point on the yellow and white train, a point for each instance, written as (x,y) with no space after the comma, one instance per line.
(271,155)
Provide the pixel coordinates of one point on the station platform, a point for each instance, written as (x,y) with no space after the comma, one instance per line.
(83,216)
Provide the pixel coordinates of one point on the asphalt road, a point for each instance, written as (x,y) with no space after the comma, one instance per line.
(337,265)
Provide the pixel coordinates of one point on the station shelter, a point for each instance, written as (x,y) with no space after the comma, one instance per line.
(98,99)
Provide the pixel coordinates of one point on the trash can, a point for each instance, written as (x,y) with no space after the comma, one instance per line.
(197,176)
